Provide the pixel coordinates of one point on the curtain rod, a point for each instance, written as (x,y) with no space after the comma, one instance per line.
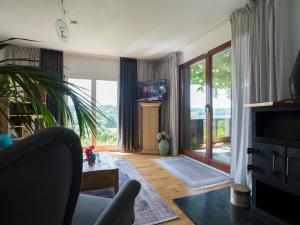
(223,21)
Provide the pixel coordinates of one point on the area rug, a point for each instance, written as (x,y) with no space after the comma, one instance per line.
(194,174)
(214,208)
(150,208)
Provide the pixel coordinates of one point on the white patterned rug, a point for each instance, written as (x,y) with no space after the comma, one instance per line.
(194,174)
(149,207)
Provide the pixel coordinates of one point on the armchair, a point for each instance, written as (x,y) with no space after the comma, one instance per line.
(40,179)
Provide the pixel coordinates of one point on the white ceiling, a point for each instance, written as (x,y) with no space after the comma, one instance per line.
(130,28)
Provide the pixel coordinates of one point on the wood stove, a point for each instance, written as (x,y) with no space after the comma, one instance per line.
(275,155)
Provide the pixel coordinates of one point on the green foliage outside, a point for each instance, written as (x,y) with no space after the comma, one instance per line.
(106,127)
(221,128)
(107,138)
(221,80)
(107,132)
(197,75)
(221,73)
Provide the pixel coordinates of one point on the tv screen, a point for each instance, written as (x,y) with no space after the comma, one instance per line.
(153,90)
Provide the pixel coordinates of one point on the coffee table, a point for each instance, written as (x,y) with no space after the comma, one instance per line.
(103,173)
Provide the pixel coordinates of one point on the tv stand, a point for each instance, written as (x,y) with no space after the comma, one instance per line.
(148,115)
(275,154)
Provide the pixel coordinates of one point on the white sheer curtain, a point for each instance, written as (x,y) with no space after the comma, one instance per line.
(146,69)
(16,52)
(258,73)
(166,68)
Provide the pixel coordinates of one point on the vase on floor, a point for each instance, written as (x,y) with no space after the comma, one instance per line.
(163,147)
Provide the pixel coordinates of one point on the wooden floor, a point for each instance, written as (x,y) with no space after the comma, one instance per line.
(168,186)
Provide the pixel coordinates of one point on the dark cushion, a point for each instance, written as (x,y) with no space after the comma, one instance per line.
(88,209)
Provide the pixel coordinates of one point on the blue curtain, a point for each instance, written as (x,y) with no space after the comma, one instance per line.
(185,109)
(128,122)
(53,60)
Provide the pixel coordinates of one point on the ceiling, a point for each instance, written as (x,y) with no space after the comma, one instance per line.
(129,28)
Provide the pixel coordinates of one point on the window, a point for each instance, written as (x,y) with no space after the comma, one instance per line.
(104,95)
(197,107)
(86,86)
(221,105)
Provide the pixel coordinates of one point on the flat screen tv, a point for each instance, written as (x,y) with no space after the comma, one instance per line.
(152,90)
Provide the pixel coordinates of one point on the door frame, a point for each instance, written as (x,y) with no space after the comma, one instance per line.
(208,81)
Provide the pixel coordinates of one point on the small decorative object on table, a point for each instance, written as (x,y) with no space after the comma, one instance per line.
(90,156)
(12,133)
(163,143)
(240,195)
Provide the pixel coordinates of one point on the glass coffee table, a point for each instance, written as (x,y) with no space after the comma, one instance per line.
(103,173)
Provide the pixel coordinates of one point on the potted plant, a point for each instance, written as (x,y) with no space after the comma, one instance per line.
(163,143)
(26,83)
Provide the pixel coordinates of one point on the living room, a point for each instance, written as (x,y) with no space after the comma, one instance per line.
(149,112)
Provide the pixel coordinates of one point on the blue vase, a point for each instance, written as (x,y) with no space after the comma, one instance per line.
(163,147)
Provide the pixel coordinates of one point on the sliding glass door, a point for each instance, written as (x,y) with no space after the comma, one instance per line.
(221,106)
(197,108)
(206,107)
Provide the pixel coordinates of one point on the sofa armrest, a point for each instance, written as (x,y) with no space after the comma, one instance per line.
(121,210)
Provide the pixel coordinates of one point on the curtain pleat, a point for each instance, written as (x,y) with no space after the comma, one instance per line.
(16,52)
(166,68)
(258,56)
(52,60)
(128,122)
(146,70)
(185,109)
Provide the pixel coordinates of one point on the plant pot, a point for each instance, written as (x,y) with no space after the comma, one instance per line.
(163,147)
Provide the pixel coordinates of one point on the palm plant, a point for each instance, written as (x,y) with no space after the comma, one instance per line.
(26,85)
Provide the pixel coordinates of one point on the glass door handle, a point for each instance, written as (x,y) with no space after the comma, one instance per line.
(207,108)
(273,163)
(287,166)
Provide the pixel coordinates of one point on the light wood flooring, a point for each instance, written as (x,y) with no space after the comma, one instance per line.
(167,185)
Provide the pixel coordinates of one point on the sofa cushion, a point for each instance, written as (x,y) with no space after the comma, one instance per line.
(88,209)
(5,140)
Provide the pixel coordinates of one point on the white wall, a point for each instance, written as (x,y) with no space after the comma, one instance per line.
(102,68)
(294,10)
(218,35)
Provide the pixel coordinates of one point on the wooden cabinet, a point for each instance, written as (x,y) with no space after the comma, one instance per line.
(269,162)
(149,126)
(293,168)
(18,117)
(275,154)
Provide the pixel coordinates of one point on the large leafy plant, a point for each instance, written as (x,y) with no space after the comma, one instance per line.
(26,85)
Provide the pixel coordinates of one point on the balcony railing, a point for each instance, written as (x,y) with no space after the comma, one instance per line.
(220,132)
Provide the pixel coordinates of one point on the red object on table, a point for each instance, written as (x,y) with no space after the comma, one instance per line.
(89,154)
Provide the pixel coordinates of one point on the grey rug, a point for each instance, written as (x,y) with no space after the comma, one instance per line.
(150,208)
(194,174)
